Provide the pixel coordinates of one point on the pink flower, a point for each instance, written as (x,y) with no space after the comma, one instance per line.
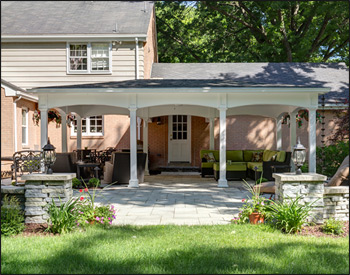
(81,190)
(97,218)
(81,198)
(77,224)
(113,211)
(86,190)
(112,206)
(110,222)
(262,203)
(109,218)
(86,222)
(101,221)
(243,200)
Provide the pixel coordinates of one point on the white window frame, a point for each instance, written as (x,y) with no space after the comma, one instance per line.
(26,136)
(89,69)
(88,133)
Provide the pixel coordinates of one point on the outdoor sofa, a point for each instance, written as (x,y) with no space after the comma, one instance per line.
(245,163)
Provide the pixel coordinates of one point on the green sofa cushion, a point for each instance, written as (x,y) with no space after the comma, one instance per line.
(281,156)
(248,154)
(268,154)
(234,166)
(207,164)
(251,166)
(234,155)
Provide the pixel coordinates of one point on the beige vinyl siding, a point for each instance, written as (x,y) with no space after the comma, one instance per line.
(29,65)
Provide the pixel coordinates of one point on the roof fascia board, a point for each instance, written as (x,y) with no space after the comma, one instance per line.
(9,91)
(72,37)
(182,90)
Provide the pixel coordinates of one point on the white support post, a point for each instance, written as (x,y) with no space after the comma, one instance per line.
(222,180)
(138,128)
(43,127)
(293,134)
(211,133)
(64,132)
(137,58)
(279,133)
(133,182)
(145,143)
(79,132)
(312,140)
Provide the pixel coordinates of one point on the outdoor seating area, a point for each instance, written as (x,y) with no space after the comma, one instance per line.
(245,163)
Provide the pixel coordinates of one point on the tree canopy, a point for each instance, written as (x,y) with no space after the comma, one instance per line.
(253,31)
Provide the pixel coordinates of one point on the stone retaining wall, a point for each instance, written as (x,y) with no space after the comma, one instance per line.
(336,203)
(13,191)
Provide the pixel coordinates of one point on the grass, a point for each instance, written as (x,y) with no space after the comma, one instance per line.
(175,249)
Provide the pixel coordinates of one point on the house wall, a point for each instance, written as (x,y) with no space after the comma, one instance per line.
(7,125)
(150,47)
(29,65)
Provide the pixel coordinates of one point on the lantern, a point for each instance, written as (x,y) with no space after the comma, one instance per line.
(49,156)
(299,156)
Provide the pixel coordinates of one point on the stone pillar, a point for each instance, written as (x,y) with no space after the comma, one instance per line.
(309,186)
(79,132)
(145,143)
(43,127)
(211,133)
(279,133)
(293,135)
(222,180)
(40,189)
(312,140)
(64,132)
(336,202)
(133,182)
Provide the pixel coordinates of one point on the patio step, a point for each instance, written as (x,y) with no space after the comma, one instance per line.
(179,168)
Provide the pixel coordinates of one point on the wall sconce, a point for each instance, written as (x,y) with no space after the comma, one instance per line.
(159,121)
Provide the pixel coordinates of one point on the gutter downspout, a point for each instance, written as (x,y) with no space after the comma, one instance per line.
(137,57)
(15,120)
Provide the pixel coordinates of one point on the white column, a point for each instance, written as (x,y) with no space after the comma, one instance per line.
(145,142)
(211,133)
(137,58)
(222,180)
(43,127)
(64,132)
(293,134)
(133,182)
(79,132)
(138,128)
(312,140)
(279,133)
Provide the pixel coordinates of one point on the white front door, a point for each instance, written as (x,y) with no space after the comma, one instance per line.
(179,144)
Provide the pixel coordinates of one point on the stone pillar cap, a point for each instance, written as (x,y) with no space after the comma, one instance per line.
(48,177)
(302,177)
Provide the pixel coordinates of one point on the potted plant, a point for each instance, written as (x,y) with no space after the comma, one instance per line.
(253,209)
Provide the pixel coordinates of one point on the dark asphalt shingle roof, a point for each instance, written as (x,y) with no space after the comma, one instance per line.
(74,17)
(329,75)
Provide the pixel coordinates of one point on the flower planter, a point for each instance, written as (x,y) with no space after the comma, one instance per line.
(256,218)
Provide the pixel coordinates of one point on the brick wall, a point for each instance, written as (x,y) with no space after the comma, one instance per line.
(7,131)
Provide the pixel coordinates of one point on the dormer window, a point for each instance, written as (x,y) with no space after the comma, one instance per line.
(89,58)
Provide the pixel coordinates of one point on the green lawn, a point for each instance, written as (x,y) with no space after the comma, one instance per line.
(175,249)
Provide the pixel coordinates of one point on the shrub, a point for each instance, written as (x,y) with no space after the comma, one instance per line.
(334,155)
(63,219)
(332,226)
(93,182)
(289,216)
(12,218)
(75,183)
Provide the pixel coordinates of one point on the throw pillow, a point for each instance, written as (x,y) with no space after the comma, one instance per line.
(211,157)
(257,157)
(281,156)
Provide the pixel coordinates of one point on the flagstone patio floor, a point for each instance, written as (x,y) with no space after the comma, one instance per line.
(174,199)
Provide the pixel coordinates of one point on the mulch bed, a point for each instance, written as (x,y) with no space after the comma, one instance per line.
(35,229)
(317,231)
